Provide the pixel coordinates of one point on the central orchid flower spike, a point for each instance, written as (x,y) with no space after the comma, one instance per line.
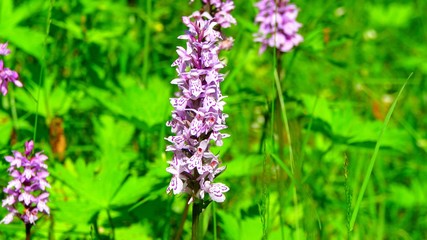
(197,118)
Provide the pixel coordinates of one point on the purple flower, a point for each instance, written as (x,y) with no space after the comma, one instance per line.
(7,75)
(3,49)
(197,118)
(222,12)
(28,186)
(278,25)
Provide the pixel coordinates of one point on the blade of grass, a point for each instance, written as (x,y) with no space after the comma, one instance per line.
(42,66)
(146,65)
(282,165)
(374,157)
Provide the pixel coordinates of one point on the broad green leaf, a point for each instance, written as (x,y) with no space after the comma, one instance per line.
(244,166)
(54,100)
(26,10)
(6,12)
(19,36)
(229,224)
(392,15)
(133,189)
(147,105)
(251,228)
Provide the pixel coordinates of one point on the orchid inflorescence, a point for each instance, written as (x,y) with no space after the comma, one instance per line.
(7,75)
(27,192)
(278,25)
(197,118)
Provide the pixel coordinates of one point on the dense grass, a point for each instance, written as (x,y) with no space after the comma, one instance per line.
(104,71)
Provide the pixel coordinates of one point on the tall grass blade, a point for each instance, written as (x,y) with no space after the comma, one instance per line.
(42,66)
(374,157)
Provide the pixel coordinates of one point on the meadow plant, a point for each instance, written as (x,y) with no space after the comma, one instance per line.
(278,25)
(7,75)
(26,193)
(197,118)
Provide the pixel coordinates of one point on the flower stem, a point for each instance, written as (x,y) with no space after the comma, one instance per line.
(181,225)
(28,231)
(197,211)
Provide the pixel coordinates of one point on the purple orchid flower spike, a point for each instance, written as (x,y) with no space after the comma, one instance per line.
(197,118)
(278,25)
(28,186)
(7,75)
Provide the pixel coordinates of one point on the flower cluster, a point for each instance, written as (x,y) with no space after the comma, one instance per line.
(222,12)
(197,118)
(7,75)
(278,25)
(26,193)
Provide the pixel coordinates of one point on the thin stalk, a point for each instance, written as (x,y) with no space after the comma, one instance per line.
(374,157)
(181,225)
(214,221)
(13,109)
(284,118)
(147,36)
(287,130)
(281,140)
(42,67)
(197,223)
(264,206)
(28,231)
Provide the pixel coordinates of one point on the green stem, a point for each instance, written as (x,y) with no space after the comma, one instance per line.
(181,225)
(28,231)
(197,225)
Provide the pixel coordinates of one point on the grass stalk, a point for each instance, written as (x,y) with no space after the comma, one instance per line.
(374,157)
(42,67)
(147,35)
(13,109)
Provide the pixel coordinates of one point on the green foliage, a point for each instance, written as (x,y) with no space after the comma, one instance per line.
(105,76)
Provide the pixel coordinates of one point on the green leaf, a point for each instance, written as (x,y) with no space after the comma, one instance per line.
(244,166)
(230,225)
(391,15)
(147,105)
(19,36)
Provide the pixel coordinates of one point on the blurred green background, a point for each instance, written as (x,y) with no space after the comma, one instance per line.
(104,99)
